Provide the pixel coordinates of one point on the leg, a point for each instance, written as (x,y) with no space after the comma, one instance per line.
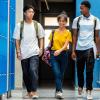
(34,63)
(89,69)
(25,69)
(63,64)
(80,68)
(56,70)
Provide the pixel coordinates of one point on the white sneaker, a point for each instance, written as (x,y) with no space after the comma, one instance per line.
(35,97)
(80,92)
(89,95)
(59,95)
(26,96)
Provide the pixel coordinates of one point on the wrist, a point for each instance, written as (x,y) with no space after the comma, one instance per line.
(18,51)
(61,50)
(41,49)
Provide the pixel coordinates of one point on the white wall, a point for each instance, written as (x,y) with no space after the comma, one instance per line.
(18,69)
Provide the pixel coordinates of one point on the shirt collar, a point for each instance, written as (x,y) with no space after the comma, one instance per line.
(88,18)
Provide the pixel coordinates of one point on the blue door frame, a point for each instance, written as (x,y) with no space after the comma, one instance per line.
(7,49)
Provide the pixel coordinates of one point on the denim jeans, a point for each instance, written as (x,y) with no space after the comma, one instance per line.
(30,72)
(58,65)
(85,57)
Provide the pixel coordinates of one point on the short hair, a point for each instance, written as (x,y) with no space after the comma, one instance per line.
(63,14)
(86,3)
(27,7)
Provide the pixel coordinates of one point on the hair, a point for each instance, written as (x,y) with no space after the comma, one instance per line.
(28,7)
(86,3)
(63,14)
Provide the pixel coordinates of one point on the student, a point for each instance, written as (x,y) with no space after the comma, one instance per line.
(85,34)
(58,56)
(29,46)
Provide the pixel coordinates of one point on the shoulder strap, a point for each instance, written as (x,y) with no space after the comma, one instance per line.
(36,27)
(78,26)
(22,26)
(53,31)
(21,29)
(95,21)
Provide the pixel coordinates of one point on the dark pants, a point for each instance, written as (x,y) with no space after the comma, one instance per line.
(58,65)
(85,57)
(30,73)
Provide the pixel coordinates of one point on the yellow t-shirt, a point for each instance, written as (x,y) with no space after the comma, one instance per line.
(59,39)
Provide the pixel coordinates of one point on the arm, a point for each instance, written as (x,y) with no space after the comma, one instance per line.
(41,35)
(74,43)
(65,46)
(57,52)
(74,39)
(97,40)
(41,45)
(18,52)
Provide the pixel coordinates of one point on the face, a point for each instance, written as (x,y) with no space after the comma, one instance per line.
(84,10)
(62,22)
(29,13)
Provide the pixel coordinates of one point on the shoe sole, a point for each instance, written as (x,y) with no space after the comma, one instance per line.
(59,97)
(35,97)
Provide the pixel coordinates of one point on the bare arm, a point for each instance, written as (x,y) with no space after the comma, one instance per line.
(65,46)
(57,52)
(97,40)
(17,45)
(18,52)
(41,45)
(74,39)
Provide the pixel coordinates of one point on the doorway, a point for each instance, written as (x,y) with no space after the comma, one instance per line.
(46,14)
(49,21)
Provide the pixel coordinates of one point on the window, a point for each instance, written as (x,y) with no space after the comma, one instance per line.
(50,22)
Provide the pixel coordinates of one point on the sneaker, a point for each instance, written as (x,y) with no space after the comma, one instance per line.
(80,92)
(59,95)
(27,96)
(89,95)
(35,95)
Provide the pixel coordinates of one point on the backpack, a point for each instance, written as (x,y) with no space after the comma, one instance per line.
(22,26)
(78,26)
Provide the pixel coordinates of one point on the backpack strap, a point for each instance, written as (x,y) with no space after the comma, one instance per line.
(53,31)
(21,29)
(95,21)
(78,26)
(36,27)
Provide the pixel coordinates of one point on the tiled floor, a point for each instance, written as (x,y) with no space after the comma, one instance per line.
(48,94)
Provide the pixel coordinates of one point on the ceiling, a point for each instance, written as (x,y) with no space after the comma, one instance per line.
(58,0)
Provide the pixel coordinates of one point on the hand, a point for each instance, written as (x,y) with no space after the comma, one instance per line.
(57,52)
(97,54)
(19,55)
(40,52)
(73,55)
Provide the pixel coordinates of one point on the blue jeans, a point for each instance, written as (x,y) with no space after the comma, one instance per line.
(59,64)
(30,72)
